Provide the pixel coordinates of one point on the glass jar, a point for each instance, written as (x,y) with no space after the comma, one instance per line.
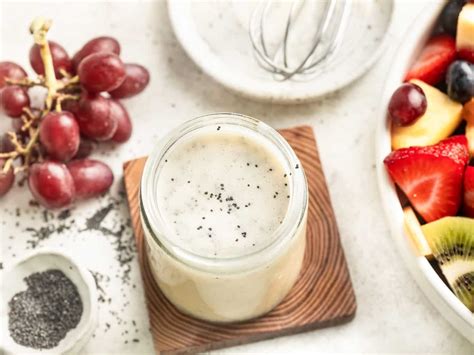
(215,288)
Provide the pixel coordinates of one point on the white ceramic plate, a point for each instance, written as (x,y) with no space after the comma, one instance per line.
(215,35)
(426,277)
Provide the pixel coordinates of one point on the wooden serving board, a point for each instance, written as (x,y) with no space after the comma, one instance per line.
(323,295)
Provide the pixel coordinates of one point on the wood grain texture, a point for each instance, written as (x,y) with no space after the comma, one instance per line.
(322,296)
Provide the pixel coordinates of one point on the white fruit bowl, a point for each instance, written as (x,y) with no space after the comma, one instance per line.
(426,277)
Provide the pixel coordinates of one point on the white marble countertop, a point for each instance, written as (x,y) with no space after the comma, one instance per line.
(393,315)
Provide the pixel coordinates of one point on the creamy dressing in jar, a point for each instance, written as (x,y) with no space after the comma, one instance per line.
(223,204)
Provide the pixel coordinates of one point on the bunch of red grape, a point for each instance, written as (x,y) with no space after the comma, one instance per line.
(53,145)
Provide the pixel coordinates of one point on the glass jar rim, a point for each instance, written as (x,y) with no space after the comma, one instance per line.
(158,229)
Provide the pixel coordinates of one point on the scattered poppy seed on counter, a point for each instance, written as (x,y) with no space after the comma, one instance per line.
(42,315)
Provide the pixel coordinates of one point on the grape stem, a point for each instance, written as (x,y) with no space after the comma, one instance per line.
(39,29)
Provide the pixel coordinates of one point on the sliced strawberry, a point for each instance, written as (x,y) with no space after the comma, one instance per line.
(431,177)
(434,60)
(469,192)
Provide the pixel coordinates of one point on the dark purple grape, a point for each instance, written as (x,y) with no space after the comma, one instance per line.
(86,147)
(449,16)
(13,99)
(61,59)
(124,124)
(59,135)
(91,177)
(460,81)
(10,70)
(6,178)
(51,184)
(95,119)
(408,103)
(136,80)
(96,45)
(101,72)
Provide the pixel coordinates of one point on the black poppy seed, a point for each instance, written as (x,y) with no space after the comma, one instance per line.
(205,193)
(172,179)
(222,185)
(166,160)
(287,196)
(209,228)
(274,196)
(203,217)
(248,164)
(218,128)
(238,226)
(212,210)
(210,236)
(189,182)
(258,187)
(236,239)
(297,166)
(285,175)
(286,184)
(253,244)
(248,185)
(270,169)
(256,165)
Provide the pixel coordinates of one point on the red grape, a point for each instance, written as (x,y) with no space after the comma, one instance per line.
(96,45)
(86,148)
(61,59)
(101,72)
(6,178)
(94,118)
(136,80)
(59,134)
(13,99)
(51,184)
(124,125)
(408,103)
(91,177)
(10,70)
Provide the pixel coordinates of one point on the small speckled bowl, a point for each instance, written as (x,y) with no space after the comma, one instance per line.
(13,282)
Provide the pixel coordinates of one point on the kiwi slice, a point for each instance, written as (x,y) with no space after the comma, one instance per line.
(451,240)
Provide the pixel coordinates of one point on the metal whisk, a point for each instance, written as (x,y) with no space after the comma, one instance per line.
(278,56)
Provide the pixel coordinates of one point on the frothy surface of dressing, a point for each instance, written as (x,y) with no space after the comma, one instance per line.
(223,191)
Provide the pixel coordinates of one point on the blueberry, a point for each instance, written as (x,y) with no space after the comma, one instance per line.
(449,16)
(460,80)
